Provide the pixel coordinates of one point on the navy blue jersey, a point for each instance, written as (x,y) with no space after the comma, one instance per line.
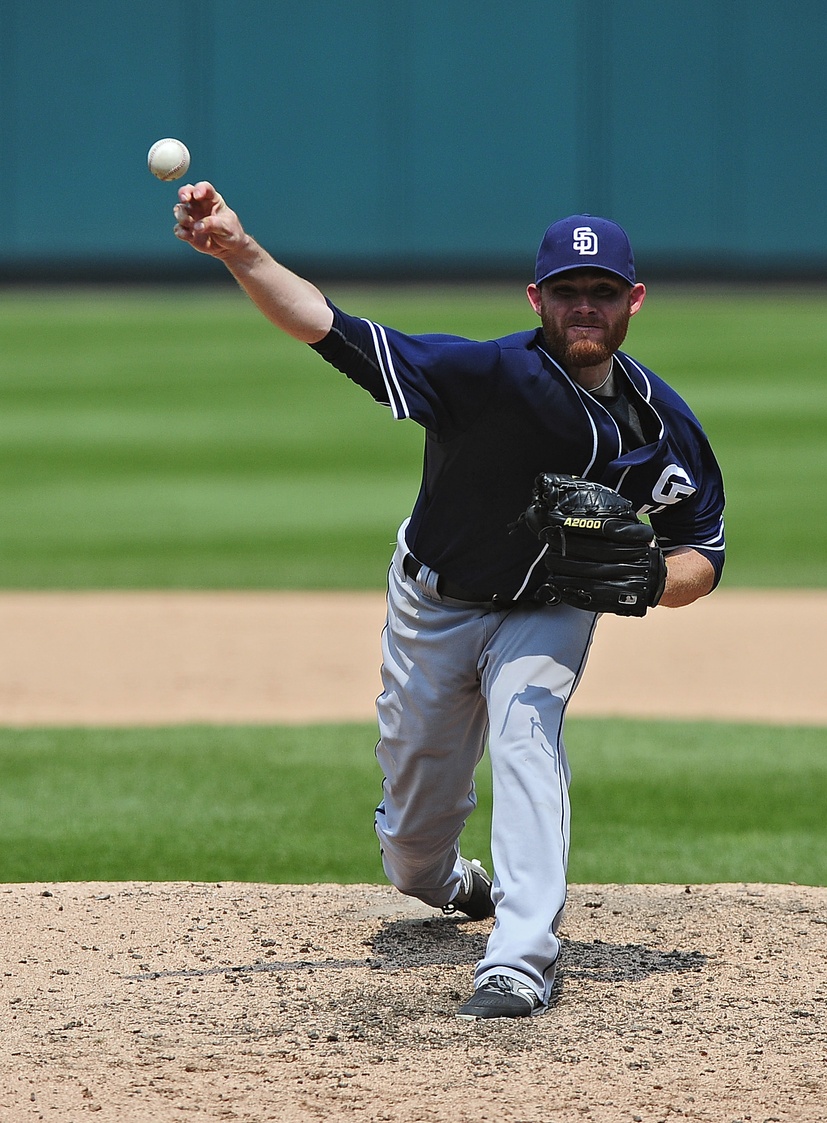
(498,413)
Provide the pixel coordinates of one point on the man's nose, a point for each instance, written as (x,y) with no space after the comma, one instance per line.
(584,304)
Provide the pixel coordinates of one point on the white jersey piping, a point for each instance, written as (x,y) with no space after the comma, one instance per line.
(580,393)
(531,569)
(395,395)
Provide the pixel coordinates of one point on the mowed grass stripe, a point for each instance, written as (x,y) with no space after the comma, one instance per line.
(652,802)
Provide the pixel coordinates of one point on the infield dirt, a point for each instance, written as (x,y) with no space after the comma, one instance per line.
(169,1002)
(155,658)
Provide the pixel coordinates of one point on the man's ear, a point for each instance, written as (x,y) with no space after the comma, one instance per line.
(533,294)
(636,298)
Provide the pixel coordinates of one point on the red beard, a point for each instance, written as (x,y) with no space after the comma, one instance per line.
(584,352)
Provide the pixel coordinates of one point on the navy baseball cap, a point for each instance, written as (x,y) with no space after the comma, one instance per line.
(584,240)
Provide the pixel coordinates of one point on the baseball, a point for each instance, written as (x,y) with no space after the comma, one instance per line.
(168,159)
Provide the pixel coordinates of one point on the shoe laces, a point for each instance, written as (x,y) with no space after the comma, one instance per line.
(467,884)
(505,984)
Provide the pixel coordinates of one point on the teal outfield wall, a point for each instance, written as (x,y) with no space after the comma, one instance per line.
(416,136)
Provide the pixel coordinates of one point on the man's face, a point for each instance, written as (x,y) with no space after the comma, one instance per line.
(585,314)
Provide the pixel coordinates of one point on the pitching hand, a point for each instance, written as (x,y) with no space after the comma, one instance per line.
(205,221)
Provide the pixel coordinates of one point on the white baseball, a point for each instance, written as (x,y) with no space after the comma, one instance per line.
(168,158)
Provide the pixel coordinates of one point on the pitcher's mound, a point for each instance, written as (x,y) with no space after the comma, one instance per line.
(143,1002)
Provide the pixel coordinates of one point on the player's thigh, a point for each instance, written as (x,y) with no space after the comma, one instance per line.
(432,716)
(532,666)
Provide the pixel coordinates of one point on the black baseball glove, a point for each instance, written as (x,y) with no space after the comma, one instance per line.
(599,555)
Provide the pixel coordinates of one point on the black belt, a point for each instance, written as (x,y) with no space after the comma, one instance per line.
(447,588)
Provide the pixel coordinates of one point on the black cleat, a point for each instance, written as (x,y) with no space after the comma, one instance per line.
(474,895)
(500,996)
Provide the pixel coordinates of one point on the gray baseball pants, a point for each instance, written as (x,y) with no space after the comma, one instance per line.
(457,676)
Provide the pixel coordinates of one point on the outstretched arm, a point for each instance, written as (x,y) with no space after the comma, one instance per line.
(296,306)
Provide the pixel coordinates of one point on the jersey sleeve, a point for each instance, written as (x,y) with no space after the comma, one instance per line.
(440,381)
(696,521)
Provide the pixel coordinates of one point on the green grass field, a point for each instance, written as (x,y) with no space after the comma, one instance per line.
(176,439)
(652,802)
(173,439)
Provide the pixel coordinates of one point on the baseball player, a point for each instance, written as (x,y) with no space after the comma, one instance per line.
(485,643)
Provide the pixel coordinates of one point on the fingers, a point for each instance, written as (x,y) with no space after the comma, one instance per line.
(184,221)
(196,202)
(202,193)
(203,219)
